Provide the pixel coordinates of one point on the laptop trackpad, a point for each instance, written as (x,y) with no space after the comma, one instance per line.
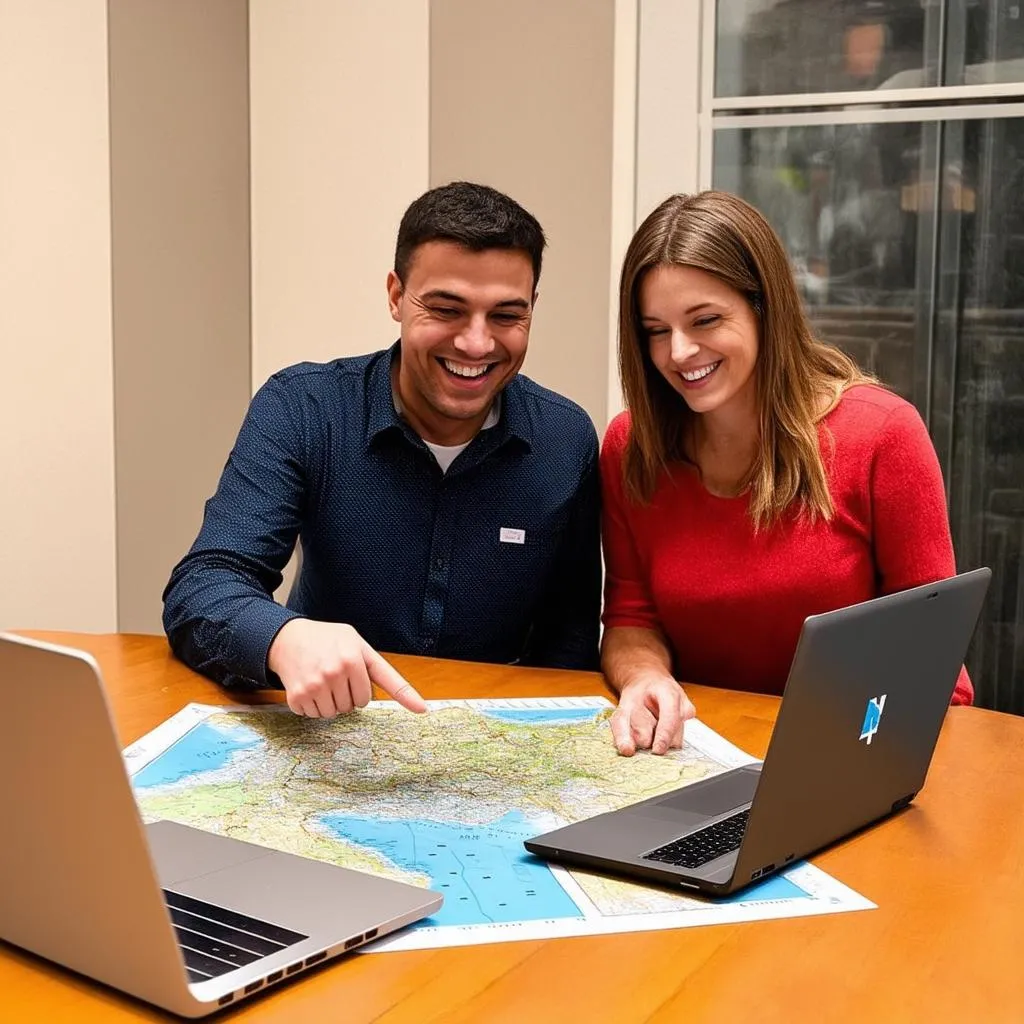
(706,799)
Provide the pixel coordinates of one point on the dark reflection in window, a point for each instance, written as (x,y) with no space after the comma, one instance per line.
(771,47)
(921,278)
(798,46)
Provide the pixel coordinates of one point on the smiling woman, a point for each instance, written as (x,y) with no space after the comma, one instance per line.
(758,477)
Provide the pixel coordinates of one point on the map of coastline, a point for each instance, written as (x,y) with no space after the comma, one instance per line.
(443,800)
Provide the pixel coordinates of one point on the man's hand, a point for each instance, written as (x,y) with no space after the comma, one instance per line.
(327,669)
(651,713)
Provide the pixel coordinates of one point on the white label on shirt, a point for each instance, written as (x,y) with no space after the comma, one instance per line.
(509,536)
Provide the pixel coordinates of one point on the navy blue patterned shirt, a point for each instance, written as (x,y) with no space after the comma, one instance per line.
(496,560)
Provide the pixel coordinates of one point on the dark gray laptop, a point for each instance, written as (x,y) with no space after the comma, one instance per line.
(867,692)
(185,919)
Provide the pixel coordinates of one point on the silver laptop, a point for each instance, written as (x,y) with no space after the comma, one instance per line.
(867,692)
(184,919)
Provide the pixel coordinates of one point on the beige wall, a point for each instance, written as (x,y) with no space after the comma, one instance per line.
(124,323)
(179,177)
(521,98)
(339,149)
(56,393)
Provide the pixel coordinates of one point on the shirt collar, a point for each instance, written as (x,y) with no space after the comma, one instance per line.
(513,425)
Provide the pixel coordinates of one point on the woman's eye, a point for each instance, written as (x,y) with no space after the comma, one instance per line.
(654,332)
(704,321)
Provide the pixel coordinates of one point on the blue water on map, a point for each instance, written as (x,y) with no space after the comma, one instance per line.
(483,871)
(545,716)
(776,888)
(202,749)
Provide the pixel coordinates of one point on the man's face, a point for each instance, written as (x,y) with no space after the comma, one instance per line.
(465,320)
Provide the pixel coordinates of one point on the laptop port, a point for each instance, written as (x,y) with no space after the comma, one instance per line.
(371,934)
(224,1000)
(253,986)
(354,941)
(292,968)
(315,958)
(275,976)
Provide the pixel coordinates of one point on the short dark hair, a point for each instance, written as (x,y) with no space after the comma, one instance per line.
(476,217)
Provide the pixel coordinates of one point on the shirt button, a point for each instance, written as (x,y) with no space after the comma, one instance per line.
(428,642)
(439,563)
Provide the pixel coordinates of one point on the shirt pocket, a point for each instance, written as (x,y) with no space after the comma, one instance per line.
(510,564)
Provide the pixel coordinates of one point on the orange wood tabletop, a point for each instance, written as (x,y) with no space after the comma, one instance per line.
(945,944)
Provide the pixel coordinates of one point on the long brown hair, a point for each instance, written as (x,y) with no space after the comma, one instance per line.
(721,234)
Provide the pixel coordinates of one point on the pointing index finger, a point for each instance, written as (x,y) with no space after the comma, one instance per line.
(392,682)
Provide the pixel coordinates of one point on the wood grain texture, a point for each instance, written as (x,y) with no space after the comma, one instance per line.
(944,945)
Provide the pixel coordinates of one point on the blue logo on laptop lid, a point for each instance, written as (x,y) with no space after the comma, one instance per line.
(872,716)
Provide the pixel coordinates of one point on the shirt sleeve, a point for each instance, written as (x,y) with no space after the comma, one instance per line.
(219,612)
(910,521)
(567,625)
(627,596)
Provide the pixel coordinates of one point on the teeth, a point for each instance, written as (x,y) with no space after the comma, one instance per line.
(465,371)
(700,374)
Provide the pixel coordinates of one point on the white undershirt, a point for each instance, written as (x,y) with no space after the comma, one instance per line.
(446,454)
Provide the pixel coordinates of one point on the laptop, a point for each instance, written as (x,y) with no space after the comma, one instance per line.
(864,702)
(181,918)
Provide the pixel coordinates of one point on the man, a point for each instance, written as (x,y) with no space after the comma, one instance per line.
(445,505)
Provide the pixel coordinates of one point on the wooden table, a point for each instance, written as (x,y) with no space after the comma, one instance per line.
(946,944)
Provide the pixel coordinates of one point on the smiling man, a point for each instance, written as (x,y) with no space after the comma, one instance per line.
(445,504)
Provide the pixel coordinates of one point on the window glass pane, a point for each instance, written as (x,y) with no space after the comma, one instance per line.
(984,42)
(848,202)
(921,279)
(978,386)
(770,47)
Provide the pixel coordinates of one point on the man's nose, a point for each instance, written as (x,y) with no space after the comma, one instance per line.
(475,340)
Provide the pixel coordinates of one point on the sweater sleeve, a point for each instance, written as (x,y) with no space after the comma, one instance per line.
(627,597)
(910,521)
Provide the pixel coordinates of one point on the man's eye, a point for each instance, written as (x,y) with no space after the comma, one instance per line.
(445,311)
(507,318)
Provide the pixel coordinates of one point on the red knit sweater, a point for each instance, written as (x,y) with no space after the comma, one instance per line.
(730,602)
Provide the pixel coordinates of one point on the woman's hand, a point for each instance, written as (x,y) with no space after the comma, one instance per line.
(651,712)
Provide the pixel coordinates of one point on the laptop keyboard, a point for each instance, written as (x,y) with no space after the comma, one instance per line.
(215,940)
(704,845)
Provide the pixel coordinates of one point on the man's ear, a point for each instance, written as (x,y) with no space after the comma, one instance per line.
(395,292)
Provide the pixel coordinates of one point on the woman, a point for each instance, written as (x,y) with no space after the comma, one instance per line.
(759,476)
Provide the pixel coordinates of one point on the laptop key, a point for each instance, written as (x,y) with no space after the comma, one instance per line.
(211,947)
(252,925)
(207,965)
(215,940)
(704,845)
(232,936)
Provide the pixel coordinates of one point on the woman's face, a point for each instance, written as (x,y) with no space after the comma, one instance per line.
(703,337)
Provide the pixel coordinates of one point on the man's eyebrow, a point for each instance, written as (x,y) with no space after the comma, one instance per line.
(440,293)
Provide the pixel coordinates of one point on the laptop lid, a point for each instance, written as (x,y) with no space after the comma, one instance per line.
(79,886)
(861,713)
(866,696)
(82,875)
